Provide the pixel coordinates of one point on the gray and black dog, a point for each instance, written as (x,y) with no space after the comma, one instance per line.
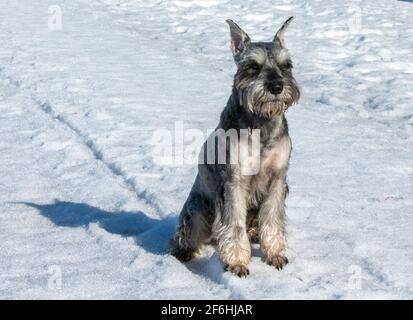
(228,207)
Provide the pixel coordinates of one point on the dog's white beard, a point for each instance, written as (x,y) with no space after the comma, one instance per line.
(258,101)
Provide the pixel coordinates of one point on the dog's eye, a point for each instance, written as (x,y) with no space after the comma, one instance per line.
(253,67)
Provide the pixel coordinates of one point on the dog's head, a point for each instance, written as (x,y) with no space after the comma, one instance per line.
(264,79)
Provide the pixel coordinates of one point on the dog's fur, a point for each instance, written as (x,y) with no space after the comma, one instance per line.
(226,205)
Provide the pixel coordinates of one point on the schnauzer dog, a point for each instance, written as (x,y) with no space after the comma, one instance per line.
(228,207)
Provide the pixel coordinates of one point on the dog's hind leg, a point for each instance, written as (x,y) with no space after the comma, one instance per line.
(193,230)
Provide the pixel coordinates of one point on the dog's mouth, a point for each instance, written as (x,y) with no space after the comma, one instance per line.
(271,108)
(270,105)
(265,104)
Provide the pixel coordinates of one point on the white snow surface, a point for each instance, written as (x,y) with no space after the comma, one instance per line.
(82,198)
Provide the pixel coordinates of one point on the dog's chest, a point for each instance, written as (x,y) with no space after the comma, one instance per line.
(273,163)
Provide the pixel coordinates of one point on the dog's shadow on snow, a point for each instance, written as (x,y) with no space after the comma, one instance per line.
(151,234)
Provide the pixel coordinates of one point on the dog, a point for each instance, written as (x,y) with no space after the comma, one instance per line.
(228,207)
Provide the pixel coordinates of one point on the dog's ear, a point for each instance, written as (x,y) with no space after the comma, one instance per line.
(240,40)
(279,36)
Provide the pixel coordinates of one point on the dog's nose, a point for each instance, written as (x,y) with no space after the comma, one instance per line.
(275,87)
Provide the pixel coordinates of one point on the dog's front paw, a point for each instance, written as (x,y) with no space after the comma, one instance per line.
(278,261)
(238,269)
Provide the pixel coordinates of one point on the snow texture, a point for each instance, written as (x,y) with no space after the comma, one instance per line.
(85,211)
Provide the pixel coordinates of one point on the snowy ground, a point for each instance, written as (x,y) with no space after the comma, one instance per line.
(85,211)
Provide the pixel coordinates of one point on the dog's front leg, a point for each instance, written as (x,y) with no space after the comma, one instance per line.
(272,219)
(230,229)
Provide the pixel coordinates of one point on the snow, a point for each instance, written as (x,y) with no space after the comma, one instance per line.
(85,211)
